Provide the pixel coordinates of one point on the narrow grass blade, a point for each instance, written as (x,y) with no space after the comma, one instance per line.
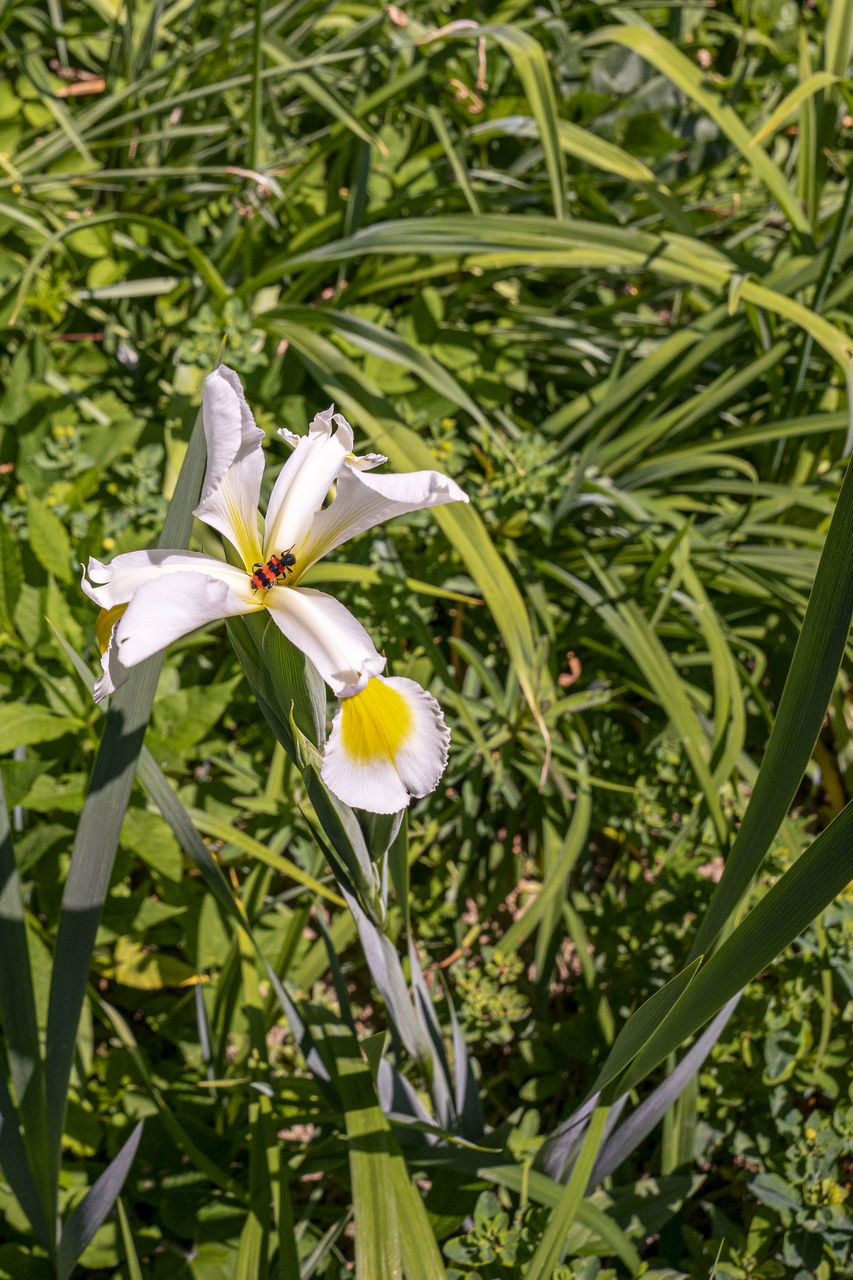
(442,132)
(550,1249)
(222,830)
(553,888)
(807,88)
(251,1263)
(839,37)
(386,344)
(508,240)
(531,65)
(194,256)
(134,1270)
(166,1116)
(83,1222)
(580,143)
(627,622)
(392,1232)
(663,55)
(377,1227)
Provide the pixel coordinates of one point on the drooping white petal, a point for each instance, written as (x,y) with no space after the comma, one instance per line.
(235,464)
(117,582)
(328,634)
(170,606)
(366,461)
(363,501)
(304,481)
(388,743)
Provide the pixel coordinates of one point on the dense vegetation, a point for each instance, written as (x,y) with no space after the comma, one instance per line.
(594,264)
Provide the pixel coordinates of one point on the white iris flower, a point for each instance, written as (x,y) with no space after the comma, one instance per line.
(388,740)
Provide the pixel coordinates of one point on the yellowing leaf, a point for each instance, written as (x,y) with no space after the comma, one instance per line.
(150,970)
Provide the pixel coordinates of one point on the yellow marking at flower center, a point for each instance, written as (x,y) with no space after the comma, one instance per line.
(104,624)
(376,723)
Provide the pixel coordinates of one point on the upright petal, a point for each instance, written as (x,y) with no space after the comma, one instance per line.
(168,607)
(304,481)
(363,461)
(117,582)
(388,743)
(328,634)
(235,464)
(364,500)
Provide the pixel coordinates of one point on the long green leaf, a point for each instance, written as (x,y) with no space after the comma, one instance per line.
(20,1026)
(802,707)
(87,1216)
(98,832)
(550,1248)
(805,89)
(806,888)
(509,240)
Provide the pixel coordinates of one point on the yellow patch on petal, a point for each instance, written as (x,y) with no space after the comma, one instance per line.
(376,723)
(247,542)
(104,624)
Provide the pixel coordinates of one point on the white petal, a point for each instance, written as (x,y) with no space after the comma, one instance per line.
(303,483)
(366,461)
(117,582)
(363,461)
(235,464)
(170,606)
(115,673)
(388,743)
(328,634)
(363,501)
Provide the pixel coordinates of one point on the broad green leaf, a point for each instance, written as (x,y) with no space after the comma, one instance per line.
(23,724)
(49,541)
(140,967)
(11,576)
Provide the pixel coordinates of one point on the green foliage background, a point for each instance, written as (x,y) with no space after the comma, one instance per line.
(594,263)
